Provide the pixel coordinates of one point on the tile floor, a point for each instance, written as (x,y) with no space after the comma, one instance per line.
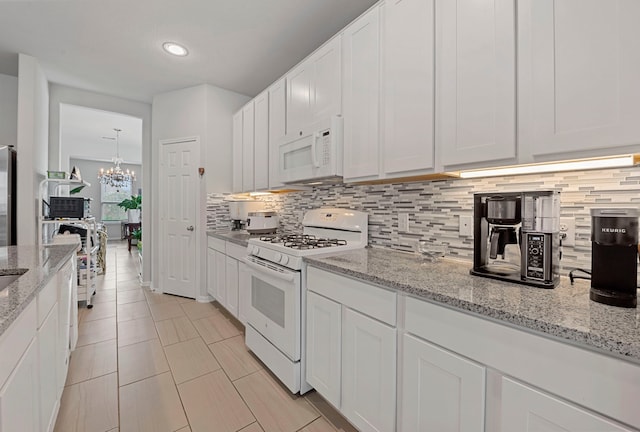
(154,362)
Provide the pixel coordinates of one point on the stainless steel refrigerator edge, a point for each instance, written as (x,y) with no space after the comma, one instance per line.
(7,196)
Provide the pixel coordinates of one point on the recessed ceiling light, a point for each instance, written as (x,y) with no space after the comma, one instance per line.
(175,49)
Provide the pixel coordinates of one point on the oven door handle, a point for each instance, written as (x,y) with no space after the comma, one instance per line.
(257,267)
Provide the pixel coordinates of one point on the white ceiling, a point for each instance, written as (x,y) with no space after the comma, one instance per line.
(82,131)
(114,46)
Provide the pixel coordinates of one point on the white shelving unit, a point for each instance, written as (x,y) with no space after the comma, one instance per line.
(87,257)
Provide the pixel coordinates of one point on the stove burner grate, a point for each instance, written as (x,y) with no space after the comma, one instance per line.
(303,241)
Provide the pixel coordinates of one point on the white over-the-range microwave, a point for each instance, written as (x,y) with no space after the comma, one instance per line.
(315,155)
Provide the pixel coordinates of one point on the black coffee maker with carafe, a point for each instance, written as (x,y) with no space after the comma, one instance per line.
(516,237)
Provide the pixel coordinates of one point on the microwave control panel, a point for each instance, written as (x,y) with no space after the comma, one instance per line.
(325,148)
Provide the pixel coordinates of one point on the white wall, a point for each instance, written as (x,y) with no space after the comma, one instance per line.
(8,109)
(69,95)
(204,111)
(32,144)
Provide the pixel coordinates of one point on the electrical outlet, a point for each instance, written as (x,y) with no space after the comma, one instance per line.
(466,226)
(403,222)
(568,231)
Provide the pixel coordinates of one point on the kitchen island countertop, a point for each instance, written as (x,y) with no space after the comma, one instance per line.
(240,238)
(41,262)
(564,312)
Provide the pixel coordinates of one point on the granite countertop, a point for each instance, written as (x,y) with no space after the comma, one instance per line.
(564,312)
(41,263)
(238,237)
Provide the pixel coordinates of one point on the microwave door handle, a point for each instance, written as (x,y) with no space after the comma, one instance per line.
(314,156)
(284,276)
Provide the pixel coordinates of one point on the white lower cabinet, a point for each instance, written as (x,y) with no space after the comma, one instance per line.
(224,281)
(441,391)
(244,292)
(351,357)
(48,341)
(220,277)
(369,372)
(528,410)
(19,398)
(211,272)
(231,285)
(324,346)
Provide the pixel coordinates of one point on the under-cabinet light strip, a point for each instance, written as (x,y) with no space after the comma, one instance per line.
(584,164)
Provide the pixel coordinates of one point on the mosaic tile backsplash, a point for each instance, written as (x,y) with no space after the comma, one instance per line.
(434,207)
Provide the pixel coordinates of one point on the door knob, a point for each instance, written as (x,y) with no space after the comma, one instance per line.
(190,228)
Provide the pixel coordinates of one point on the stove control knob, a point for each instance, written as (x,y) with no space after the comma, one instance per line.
(284,260)
(255,251)
(277,257)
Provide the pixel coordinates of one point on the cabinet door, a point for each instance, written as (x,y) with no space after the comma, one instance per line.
(408,85)
(440,390)
(261,141)
(211,273)
(324,326)
(65,285)
(578,69)
(231,278)
(277,129)
(248,147)
(298,99)
(527,410)
(244,289)
(368,372)
(220,264)
(19,407)
(237,152)
(476,80)
(361,80)
(48,368)
(326,85)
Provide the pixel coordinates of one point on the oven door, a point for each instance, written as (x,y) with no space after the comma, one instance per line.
(274,307)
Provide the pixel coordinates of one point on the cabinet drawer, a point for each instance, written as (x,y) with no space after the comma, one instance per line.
(15,340)
(236,251)
(216,243)
(46,299)
(557,367)
(371,300)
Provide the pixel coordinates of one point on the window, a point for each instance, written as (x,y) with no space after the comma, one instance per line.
(110,197)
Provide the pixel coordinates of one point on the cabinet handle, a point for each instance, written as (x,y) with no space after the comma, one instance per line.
(190,228)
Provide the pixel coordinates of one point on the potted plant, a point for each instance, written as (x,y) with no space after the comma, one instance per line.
(133,206)
(137,236)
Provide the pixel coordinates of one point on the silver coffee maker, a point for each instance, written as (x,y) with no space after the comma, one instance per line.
(516,237)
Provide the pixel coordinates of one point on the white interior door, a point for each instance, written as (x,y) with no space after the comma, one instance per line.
(178,211)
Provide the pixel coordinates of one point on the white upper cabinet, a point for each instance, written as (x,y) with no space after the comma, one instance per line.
(361,97)
(277,129)
(248,130)
(408,87)
(237,152)
(476,81)
(578,83)
(261,141)
(314,89)
(326,95)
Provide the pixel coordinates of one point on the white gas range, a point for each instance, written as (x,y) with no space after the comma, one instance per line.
(276,312)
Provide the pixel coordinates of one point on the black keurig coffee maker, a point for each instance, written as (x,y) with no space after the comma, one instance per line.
(614,256)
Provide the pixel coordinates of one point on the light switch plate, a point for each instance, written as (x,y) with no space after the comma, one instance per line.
(466,226)
(568,231)
(403,222)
